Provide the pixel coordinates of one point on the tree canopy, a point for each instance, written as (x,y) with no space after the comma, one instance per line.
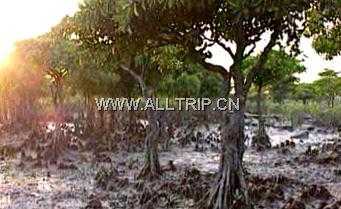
(325,28)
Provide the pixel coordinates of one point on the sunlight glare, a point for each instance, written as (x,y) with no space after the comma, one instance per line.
(5,50)
(21,20)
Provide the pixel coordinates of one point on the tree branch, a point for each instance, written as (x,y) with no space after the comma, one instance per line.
(200,58)
(262,60)
(226,48)
(215,69)
(220,43)
(137,77)
(250,52)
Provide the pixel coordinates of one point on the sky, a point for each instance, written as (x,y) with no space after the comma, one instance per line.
(22,19)
(313,62)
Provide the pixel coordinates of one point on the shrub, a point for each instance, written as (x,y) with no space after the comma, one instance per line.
(295,112)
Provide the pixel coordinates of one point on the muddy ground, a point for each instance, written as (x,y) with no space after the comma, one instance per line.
(302,170)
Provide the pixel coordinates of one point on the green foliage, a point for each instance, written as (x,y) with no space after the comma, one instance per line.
(277,75)
(90,80)
(242,22)
(279,65)
(295,112)
(211,86)
(283,89)
(329,116)
(21,88)
(180,81)
(305,92)
(291,110)
(63,55)
(185,85)
(102,26)
(189,85)
(328,86)
(325,28)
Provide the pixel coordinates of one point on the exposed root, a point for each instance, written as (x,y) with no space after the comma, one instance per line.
(150,171)
(261,142)
(229,191)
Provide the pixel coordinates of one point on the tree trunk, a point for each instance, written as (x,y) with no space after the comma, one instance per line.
(113,125)
(151,169)
(101,120)
(332,101)
(261,140)
(90,115)
(259,100)
(54,95)
(165,130)
(230,189)
(60,93)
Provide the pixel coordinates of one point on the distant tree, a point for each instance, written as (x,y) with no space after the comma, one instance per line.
(283,88)
(21,86)
(324,27)
(328,86)
(188,85)
(53,57)
(98,25)
(211,85)
(305,92)
(191,81)
(279,66)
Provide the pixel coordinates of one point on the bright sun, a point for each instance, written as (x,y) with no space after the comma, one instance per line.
(5,50)
(21,20)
